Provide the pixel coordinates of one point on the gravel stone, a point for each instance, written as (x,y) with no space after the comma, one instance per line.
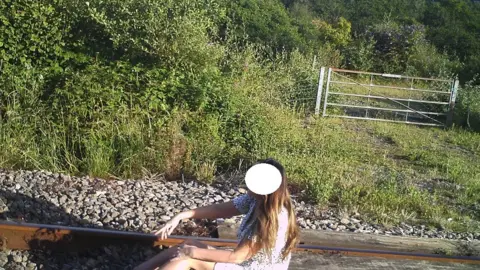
(17,258)
(354,221)
(63,199)
(345,221)
(91,262)
(3,258)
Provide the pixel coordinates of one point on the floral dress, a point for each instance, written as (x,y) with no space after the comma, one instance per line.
(260,261)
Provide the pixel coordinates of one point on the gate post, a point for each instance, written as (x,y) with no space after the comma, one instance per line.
(319,91)
(451,103)
(326,92)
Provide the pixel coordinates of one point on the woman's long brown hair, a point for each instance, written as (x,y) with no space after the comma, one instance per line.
(267,212)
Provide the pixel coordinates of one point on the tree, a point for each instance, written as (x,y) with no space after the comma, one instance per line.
(364,13)
(265,22)
(454,25)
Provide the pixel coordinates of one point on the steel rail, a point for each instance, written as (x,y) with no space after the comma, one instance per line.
(39,236)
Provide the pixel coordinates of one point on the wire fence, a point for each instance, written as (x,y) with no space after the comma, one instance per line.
(300,95)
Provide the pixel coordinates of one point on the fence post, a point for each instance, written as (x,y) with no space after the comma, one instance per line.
(326,92)
(319,91)
(453,96)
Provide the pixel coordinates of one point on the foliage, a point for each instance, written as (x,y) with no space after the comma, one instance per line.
(454,25)
(360,54)
(166,32)
(468,105)
(197,88)
(365,13)
(265,22)
(338,34)
(450,25)
(32,33)
(426,61)
(393,44)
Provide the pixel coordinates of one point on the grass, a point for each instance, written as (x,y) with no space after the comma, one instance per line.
(389,172)
(393,172)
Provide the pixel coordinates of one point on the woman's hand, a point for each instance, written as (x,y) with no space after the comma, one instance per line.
(168,228)
(184,251)
(188,251)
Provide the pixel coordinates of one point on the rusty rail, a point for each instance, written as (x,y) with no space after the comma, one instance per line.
(25,236)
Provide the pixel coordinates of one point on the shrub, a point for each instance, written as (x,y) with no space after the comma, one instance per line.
(425,61)
(32,33)
(393,44)
(265,22)
(360,55)
(467,111)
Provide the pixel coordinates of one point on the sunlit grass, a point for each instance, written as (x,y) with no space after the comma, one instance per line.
(390,172)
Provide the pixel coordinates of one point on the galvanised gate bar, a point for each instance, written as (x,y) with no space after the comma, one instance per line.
(387,97)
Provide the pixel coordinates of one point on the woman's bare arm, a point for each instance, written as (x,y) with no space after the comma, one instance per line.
(239,255)
(221,210)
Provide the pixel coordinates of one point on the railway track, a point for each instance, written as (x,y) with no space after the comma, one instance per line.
(26,236)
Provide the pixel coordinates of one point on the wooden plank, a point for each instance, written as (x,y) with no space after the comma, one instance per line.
(307,261)
(375,242)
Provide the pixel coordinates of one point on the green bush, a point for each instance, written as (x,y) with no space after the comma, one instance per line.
(360,55)
(265,22)
(425,61)
(467,110)
(32,33)
(104,107)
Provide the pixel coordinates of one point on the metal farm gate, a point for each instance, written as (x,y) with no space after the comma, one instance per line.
(386,97)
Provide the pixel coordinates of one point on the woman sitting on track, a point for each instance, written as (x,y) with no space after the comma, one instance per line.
(266,237)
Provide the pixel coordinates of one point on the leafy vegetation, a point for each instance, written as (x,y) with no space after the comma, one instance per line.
(196,88)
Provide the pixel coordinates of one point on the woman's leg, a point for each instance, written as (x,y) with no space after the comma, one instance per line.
(166,255)
(158,259)
(186,264)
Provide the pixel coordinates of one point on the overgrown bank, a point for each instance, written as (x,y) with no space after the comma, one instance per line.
(124,87)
